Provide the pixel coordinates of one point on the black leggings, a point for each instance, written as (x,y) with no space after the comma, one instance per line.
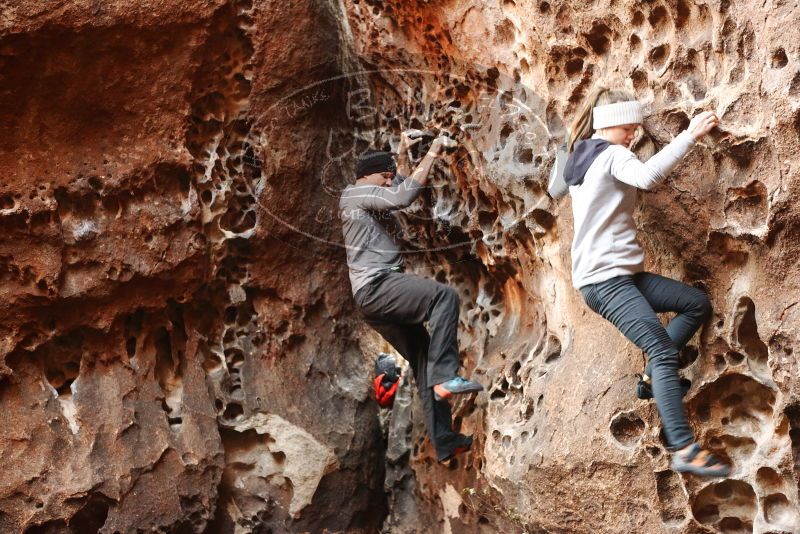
(631,302)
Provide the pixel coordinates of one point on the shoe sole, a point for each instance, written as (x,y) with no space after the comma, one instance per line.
(456,452)
(451,393)
(700,471)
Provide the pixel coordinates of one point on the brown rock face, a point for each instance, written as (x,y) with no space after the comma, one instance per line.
(174,359)
(180,351)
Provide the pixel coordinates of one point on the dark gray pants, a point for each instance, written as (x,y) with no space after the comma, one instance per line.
(631,302)
(396,305)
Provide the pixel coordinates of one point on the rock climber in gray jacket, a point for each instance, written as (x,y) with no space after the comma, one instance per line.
(397,304)
(608,261)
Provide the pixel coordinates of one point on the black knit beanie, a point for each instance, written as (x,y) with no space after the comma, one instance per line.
(373,161)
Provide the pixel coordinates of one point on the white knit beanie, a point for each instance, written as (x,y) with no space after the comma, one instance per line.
(617,114)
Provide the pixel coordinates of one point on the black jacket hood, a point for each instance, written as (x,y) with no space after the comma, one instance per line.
(583,154)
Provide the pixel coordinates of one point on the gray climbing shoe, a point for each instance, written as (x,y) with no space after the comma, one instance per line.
(711,466)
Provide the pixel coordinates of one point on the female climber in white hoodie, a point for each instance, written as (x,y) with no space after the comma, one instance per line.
(608,261)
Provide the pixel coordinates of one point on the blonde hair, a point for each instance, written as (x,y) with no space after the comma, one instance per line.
(582,125)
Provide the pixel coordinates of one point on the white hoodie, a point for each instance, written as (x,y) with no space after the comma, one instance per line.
(605,244)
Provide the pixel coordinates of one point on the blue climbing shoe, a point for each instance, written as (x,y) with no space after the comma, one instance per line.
(456,386)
